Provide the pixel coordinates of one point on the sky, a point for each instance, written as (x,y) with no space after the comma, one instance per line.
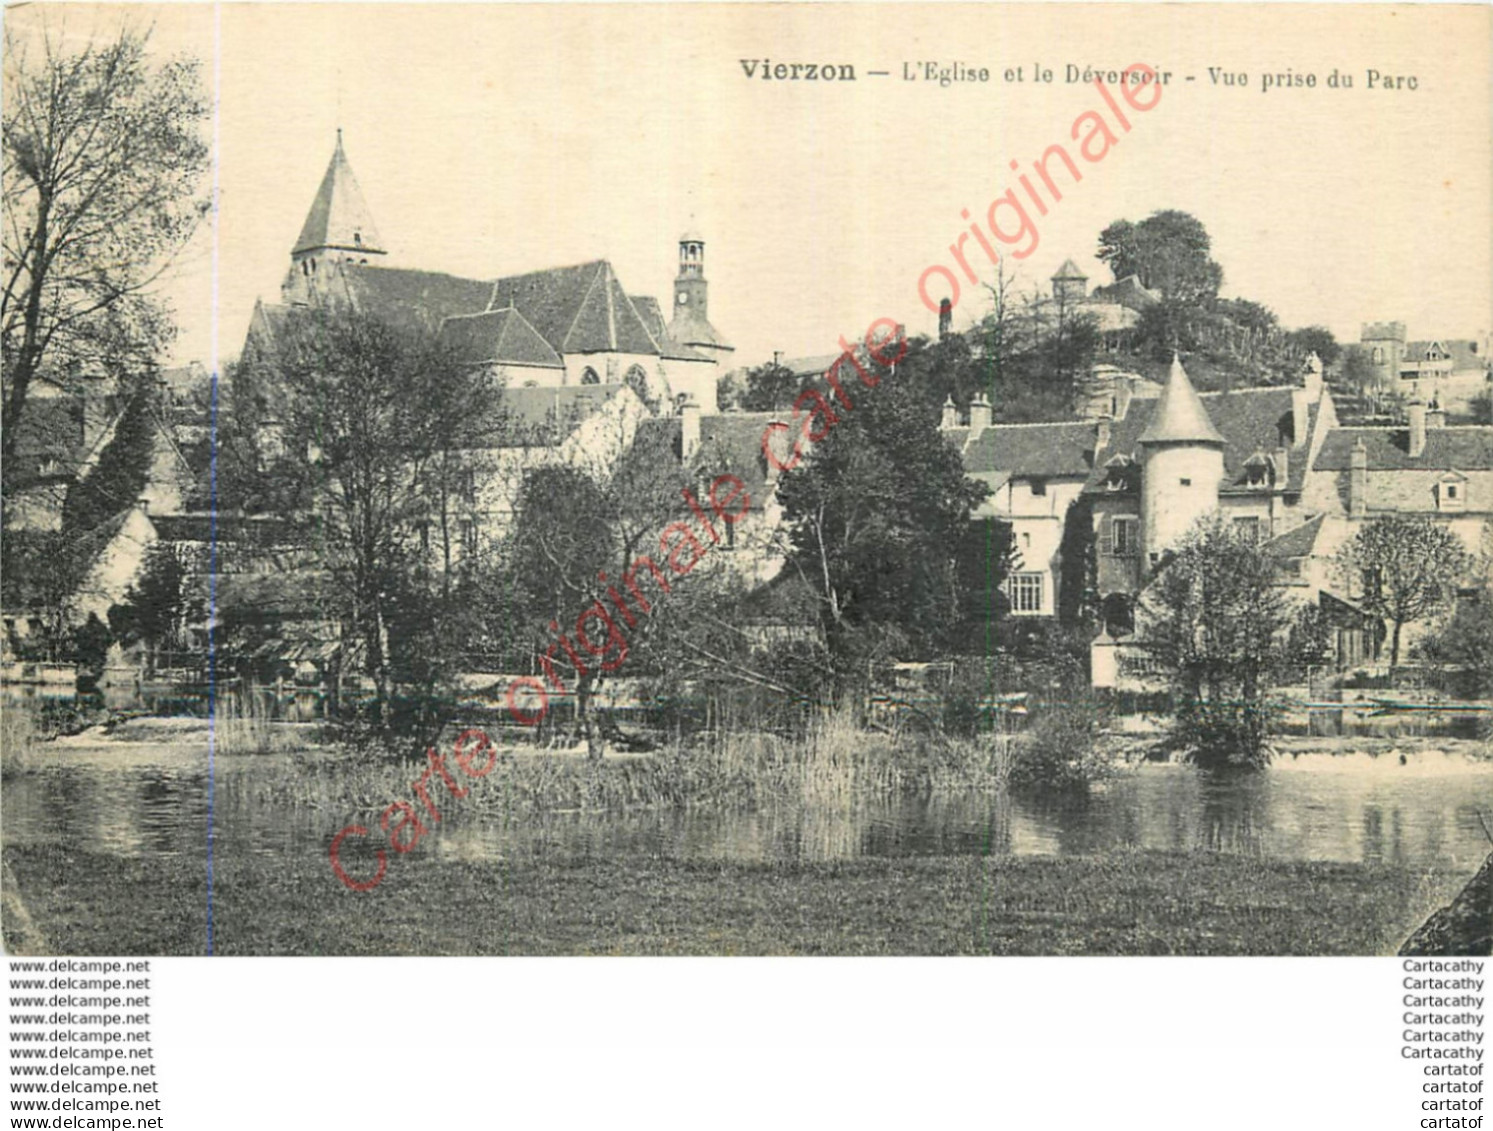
(492,140)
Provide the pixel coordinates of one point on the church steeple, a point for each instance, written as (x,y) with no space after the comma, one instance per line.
(339,225)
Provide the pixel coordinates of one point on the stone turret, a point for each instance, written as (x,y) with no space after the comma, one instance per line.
(1183,455)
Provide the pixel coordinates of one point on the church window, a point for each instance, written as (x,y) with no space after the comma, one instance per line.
(1026,593)
(589,376)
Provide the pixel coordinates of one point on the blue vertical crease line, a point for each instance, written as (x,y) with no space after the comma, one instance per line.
(212,508)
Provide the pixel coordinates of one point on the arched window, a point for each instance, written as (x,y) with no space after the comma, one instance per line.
(589,376)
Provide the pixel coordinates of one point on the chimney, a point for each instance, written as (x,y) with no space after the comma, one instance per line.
(1300,401)
(1417,413)
(979,415)
(1282,461)
(689,428)
(1358,480)
(1435,415)
(950,414)
(1101,435)
(1124,390)
(945,318)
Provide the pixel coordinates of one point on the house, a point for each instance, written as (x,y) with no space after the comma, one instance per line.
(1446,371)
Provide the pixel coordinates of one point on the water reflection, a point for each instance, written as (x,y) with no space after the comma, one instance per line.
(151,800)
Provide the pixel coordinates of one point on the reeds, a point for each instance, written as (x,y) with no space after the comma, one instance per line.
(18,736)
(243,724)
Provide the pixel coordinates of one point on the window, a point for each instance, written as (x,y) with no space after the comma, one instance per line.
(1451,493)
(1039,486)
(1026,541)
(1247,529)
(1378,355)
(589,376)
(1026,593)
(1187,482)
(1124,540)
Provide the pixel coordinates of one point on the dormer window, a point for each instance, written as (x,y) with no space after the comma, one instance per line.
(1451,492)
(1256,469)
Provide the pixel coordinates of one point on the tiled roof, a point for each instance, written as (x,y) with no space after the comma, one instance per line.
(1039,451)
(546,415)
(421,299)
(1069,270)
(689,328)
(1249,421)
(648,309)
(339,216)
(1462,351)
(1127,292)
(1180,416)
(498,337)
(1297,543)
(1465,449)
(730,442)
(581,309)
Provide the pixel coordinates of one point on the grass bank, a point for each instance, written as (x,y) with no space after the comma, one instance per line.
(1128,903)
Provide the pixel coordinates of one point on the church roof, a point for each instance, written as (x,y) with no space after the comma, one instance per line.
(648,309)
(1069,270)
(424,299)
(688,327)
(339,216)
(498,337)
(580,309)
(1180,416)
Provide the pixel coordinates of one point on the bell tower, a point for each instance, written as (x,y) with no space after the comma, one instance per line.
(691,291)
(338,228)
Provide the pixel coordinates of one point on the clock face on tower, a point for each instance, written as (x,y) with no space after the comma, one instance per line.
(683,298)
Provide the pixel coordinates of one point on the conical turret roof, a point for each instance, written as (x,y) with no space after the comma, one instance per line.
(339,216)
(1180,416)
(1069,270)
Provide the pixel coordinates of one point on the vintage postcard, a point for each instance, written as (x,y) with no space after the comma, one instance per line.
(747,479)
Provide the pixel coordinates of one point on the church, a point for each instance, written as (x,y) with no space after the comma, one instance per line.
(561,327)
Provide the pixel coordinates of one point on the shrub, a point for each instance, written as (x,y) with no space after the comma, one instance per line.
(1059,754)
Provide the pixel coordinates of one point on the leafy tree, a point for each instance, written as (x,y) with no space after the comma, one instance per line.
(1482,408)
(103,156)
(769,388)
(985,556)
(1407,568)
(873,516)
(1168,251)
(158,604)
(1357,372)
(1216,622)
(347,427)
(1318,340)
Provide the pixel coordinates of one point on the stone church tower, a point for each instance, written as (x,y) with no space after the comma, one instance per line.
(691,325)
(1183,465)
(338,228)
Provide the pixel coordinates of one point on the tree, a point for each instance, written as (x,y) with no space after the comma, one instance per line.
(1168,251)
(103,156)
(158,604)
(352,430)
(769,387)
(1406,567)
(1217,623)
(873,517)
(1318,340)
(1466,641)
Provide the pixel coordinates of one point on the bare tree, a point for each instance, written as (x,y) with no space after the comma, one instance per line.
(103,156)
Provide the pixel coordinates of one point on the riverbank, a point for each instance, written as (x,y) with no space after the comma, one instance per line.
(1133,902)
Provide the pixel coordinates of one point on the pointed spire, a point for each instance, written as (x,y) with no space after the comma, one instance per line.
(339,217)
(1070,270)
(1180,416)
